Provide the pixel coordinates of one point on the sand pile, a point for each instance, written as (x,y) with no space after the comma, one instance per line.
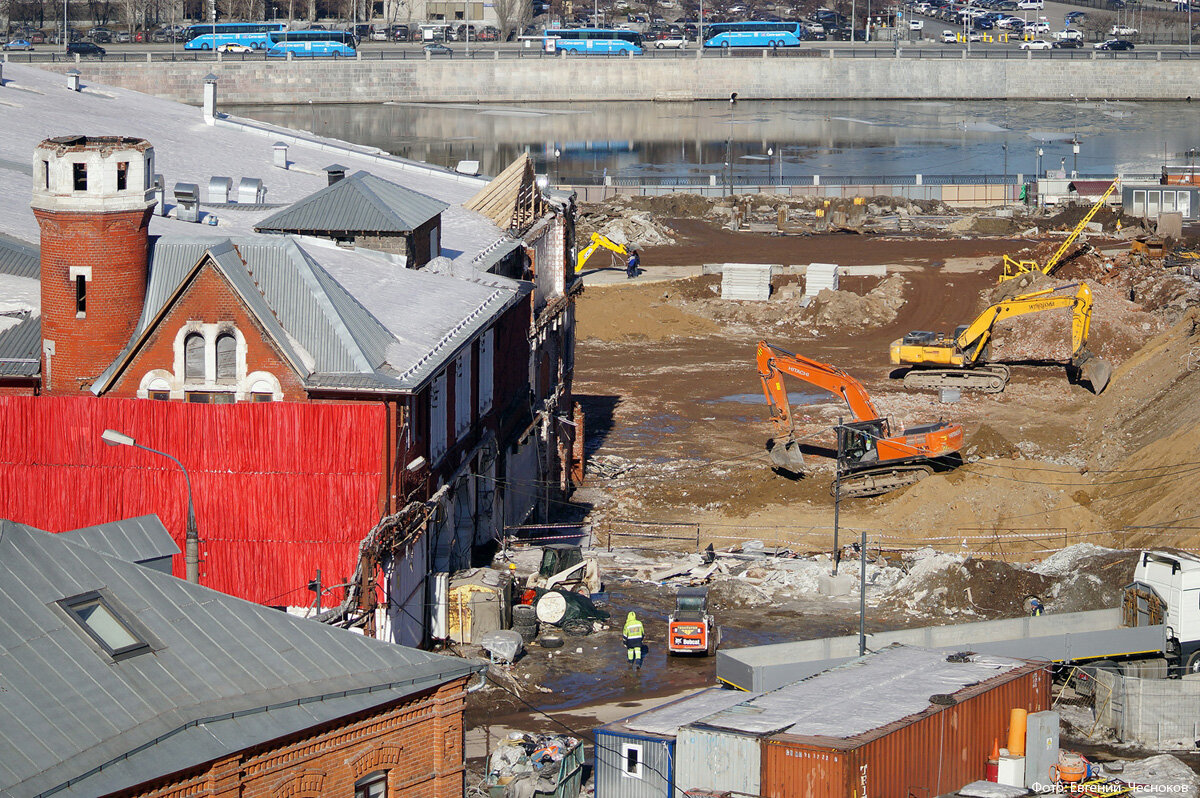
(945,584)
(642,313)
(847,310)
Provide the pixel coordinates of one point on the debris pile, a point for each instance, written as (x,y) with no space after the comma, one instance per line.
(524,763)
(845,309)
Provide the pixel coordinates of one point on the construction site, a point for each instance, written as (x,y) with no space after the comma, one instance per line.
(1000,405)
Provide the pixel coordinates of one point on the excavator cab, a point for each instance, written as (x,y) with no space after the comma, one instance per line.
(857,443)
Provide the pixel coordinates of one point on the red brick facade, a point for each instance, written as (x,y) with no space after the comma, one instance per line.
(208,299)
(113,245)
(418,743)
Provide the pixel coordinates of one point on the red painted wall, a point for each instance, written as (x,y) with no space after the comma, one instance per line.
(280,488)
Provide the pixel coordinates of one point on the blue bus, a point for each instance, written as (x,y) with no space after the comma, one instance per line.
(599,41)
(210,37)
(753,34)
(313,44)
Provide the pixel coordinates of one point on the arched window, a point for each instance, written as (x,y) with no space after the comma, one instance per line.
(226,358)
(193,357)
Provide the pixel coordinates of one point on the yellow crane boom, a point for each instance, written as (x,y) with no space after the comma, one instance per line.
(597,242)
(1015,268)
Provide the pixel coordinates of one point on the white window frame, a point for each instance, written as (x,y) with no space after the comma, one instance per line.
(637,772)
(462,394)
(437,418)
(487,378)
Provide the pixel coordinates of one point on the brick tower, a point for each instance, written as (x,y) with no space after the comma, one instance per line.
(92,196)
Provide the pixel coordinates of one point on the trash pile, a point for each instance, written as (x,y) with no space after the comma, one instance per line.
(525,764)
(541,611)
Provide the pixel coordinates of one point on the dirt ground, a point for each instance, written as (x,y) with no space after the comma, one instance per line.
(676,427)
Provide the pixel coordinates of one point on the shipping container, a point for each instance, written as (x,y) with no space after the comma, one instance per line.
(635,756)
(931,752)
(717,760)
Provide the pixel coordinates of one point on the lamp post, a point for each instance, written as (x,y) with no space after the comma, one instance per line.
(191,555)
(557,155)
(1074,157)
(1004,147)
(1038,173)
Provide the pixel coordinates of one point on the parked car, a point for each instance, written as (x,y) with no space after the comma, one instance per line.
(233,47)
(1031,5)
(916,24)
(1073,16)
(380,35)
(1122,30)
(949,37)
(85,49)
(37,37)
(1069,33)
(436,48)
(1067,44)
(123,37)
(1113,44)
(18,44)
(671,39)
(1036,44)
(100,35)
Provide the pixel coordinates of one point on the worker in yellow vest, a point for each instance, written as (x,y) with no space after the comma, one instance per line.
(632,636)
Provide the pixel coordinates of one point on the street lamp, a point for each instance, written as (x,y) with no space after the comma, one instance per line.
(191,554)
(1074,157)
(557,155)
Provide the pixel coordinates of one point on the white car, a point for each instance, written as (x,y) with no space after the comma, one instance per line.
(1036,44)
(916,24)
(1122,30)
(672,40)
(1038,27)
(233,47)
(949,37)
(1031,5)
(1069,33)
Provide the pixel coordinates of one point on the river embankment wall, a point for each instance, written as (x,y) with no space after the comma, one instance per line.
(712,77)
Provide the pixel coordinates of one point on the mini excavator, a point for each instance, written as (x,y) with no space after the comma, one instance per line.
(598,242)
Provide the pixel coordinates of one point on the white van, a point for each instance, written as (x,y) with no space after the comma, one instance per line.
(1031,5)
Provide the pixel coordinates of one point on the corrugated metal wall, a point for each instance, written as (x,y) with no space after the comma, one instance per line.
(933,755)
(708,759)
(281,489)
(652,780)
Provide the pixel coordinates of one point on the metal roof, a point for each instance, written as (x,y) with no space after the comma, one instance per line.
(346,319)
(222,674)
(135,540)
(358,203)
(21,348)
(868,693)
(665,721)
(19,259)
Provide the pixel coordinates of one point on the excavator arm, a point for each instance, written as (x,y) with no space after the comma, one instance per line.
(973,340)
(774,362)
(598,241)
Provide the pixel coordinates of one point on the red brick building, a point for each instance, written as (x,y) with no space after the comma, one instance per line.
(471,364)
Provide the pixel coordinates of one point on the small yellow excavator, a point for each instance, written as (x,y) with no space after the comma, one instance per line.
(1015,268)
(598,241)
(937,360)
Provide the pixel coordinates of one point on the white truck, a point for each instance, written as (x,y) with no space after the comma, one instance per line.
(1155,632)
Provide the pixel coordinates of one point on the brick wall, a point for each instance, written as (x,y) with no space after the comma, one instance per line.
(418,742)
(208,299)
(113,245)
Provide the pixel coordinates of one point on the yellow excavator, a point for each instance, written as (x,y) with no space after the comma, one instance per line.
(936,360)
(598,241)
(1015,268)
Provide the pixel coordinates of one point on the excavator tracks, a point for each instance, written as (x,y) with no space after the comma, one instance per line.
(876,482)
(987,379)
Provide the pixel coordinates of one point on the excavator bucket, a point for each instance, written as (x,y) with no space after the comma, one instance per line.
(786,456)
(1096,372)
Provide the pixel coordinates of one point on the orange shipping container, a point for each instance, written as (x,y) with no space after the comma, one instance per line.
(931,753)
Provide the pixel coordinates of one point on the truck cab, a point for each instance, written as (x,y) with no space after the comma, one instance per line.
(1175,579)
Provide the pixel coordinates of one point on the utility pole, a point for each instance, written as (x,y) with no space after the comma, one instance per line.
(837,496)
(862,594)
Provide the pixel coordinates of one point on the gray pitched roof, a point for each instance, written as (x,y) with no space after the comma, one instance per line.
(135,540)
(20,343)
(74,723)
(346,320)
(18,259)
(358,203)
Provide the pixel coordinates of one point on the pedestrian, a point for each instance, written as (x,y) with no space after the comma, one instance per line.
(632,636)
(631,266)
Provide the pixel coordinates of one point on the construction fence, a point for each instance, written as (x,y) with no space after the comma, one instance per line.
(1160,714)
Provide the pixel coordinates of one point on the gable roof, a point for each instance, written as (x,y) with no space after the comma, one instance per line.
(512,201)
(223,674)
(20,322)
(344,319)
(359,203)
(136,540)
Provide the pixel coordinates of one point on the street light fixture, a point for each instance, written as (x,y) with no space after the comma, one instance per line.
(1074,158)
(191,554)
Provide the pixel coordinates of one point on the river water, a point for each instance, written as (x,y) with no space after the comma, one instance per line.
(767,139)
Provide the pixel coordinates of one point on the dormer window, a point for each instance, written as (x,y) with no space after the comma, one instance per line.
(122,175)
(101,621)
(79,175)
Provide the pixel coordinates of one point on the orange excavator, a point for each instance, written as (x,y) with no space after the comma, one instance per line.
(870,459)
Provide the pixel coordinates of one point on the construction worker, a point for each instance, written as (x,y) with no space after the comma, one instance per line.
(632,636)
(631,266)
(1035,607)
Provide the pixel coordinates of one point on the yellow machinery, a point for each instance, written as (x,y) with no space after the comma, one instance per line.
(1015,268)
(598,242)
(941,361)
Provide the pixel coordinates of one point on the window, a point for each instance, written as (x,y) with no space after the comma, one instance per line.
(209,397)
(160,396)
(435,248)
(193,358)
(372,785)
(462,394)
(437,418)
(226,358)
(80,296)
(1139,202)
(486,378)
(79,172)
(45,174)
(262,397)
(96,616)
(122,175)
(631,764)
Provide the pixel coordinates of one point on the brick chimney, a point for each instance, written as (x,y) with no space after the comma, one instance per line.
(92,196)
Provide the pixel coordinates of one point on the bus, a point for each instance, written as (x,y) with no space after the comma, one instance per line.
(211,36)
(313,44)
(598,41)
(753,34)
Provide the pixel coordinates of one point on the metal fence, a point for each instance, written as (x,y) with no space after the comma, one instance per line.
(1161,714)
(723,180)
